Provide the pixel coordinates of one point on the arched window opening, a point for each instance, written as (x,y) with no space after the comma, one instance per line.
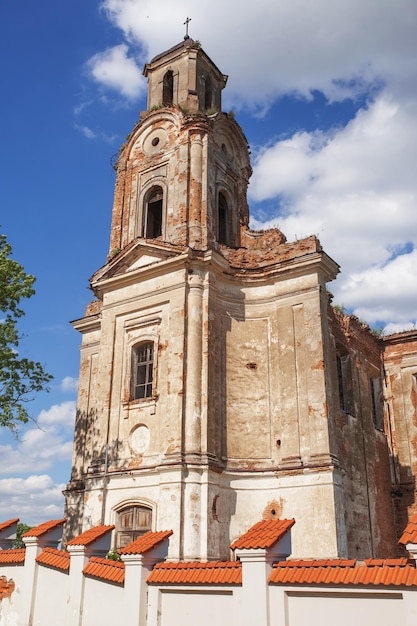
(153,214)
(207,94)
(345,382)
(131,523)
(168,89)
(223,220)
(142,370)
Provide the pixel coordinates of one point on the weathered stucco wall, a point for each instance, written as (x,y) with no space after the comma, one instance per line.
(400,362)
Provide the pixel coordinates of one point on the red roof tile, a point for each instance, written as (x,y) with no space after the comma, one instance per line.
(263,535)
(90,535)
(59,559)
(410,533)
(12,557)
(391,572)
(379,562)
(6,587)
(44,528)
(105,569)
(196,573)
(146,542)
(9,522)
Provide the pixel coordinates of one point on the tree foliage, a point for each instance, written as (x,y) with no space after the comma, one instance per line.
(20,530)
(19,376)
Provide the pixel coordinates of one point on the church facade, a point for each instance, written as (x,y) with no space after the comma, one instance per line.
(218,386)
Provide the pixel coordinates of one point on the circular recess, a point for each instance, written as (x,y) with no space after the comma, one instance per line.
(139,438)
(155,141)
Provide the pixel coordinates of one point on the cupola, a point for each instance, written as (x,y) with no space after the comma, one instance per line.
(185,76)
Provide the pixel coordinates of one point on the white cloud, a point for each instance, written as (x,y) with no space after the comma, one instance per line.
(356,189)
(338,48)
(86,131)
(34,499)
(115,69)
(63,414)
(41,446)
(69,384)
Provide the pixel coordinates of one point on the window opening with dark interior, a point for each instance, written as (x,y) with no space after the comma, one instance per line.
(377,402)
(207,94)
(345,383)
(168,88)
(142,370)
(223,220)
(153,214)
(131,523)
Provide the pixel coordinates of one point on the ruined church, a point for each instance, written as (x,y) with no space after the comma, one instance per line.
(218,385)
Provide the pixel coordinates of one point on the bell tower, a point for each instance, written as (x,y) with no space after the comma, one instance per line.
(183,174)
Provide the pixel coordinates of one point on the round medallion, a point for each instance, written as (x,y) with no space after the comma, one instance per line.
(155,141)
(139,438)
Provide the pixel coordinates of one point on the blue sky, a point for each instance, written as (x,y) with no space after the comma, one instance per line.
(326,93)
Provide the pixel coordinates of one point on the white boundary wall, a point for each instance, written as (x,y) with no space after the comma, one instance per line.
(136,603)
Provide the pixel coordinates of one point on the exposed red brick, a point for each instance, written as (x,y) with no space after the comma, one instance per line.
(6,587)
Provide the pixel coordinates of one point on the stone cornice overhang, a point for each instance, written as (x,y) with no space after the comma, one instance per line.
(121,260)
(310,262)
(180,50)
(87,324)
(404,337)
(302,265)
(135,276)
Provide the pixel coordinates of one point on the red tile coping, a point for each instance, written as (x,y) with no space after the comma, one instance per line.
(263,535)
(105,569)
(6,587)
(58,559)
(9,522)
(196,573)
(389,572)
(44,528)
(90,535)
(13,557)
(146,542)
(410,533)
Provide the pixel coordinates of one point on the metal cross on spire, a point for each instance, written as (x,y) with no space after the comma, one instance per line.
(187,21)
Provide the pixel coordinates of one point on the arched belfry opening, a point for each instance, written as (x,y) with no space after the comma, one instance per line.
(207,94)
(152,213)
(168,89)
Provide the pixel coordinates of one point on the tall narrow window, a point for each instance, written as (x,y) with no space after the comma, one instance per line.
(377,403)
(168,89)
(207,94)
(131,523)
(142,370)
(223,220)
(345,383)
(152,227)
